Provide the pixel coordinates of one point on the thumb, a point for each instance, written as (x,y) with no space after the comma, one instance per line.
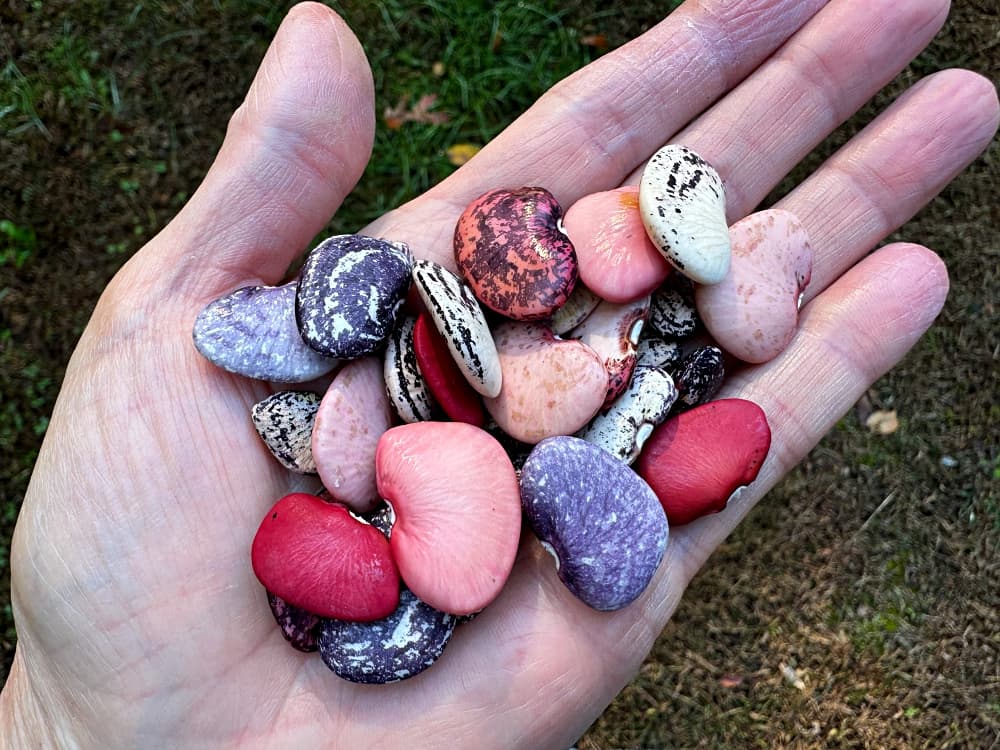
(293,150)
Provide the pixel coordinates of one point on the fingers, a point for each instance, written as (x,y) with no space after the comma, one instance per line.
(882,177)
(821,77)
(871,187)
(293,150)
(849,336)
(592,129)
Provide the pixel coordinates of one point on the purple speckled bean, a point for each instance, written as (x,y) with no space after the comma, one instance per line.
(253,333)
(300,628)
(389,650)
(601,521)
(350,290)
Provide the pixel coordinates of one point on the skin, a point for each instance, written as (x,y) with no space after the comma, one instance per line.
(140,623)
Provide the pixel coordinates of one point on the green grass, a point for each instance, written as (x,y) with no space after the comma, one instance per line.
(83,80)
(17,244)
(483,61)
(18,95)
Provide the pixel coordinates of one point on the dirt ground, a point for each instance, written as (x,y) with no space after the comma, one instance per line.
(858,605)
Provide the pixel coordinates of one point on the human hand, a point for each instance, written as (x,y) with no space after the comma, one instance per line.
(139,620)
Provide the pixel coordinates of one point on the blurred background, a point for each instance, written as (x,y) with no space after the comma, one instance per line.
(857,606)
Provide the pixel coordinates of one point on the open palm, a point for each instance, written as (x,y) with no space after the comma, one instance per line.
(140,623)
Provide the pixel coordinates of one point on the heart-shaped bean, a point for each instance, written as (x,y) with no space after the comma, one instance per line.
(510,250)
(458,512)
(753,312)
(316,556)
(683,207)
(696,460)
(602,523)
(352,416)
(617,260)
(550,386)
(253,333)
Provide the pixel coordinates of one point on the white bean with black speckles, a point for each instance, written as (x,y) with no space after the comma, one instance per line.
(284,422)
(673,312)
(459,318)
(655,352)
(404,383)
(580,304)
(683,207)
(624,428)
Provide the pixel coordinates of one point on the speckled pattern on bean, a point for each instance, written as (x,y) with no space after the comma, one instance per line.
(603,522)
(284,421)
(300,628)
(655,352)
(624,427)
(350,290)
(459,318)
(252,332)
(672,312)
(510,250)
(699,376)
(403,644)
(682,203)
(404,383)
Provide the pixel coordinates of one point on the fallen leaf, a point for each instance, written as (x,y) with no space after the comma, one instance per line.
(792,677)
(864,408)
(394,117)
(597,41)
(460,153)
(882,422)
